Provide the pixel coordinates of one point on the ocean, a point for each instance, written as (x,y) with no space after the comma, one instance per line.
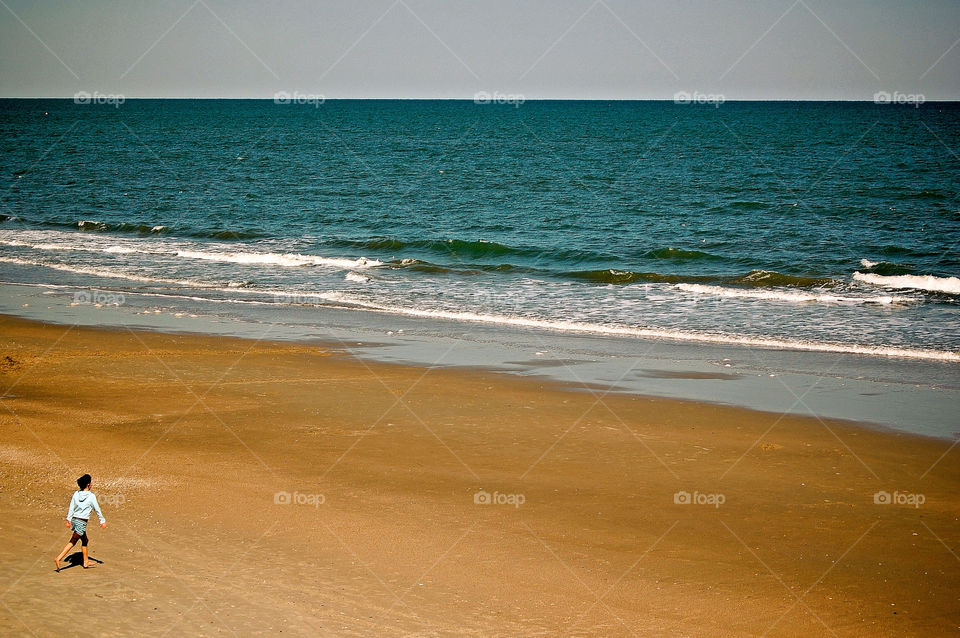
(785,226)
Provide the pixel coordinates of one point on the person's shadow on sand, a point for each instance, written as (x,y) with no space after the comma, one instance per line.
(76,560)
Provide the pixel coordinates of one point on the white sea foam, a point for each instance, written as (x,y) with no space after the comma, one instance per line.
(357,277)
(99,243)
(657,333)
(135,293)
(41,240)
(280,259)
(53,241)
(348,301)
(866,263)
(104,272)
(919,282)
(787,295)
(40,246)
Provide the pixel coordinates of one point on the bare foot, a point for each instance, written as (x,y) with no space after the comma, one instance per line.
(88,565)
(57,563)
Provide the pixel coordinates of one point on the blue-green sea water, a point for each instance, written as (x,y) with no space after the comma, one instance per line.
(819,226)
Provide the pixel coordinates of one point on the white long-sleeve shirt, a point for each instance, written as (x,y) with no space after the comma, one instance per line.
(81,504)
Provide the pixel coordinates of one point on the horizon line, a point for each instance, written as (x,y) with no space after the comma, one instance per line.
(492,101)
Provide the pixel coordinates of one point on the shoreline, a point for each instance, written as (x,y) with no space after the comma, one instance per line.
(192,438)
(336,301)
(340,351)
(903,394)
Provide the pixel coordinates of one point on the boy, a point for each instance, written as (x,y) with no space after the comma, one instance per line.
(77,517)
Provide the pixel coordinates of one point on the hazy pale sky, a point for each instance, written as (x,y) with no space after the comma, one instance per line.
(621,49)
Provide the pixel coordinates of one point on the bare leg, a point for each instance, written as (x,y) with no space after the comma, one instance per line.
(86,559)
(63,554)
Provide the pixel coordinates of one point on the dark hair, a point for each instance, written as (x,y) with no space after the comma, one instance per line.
(84,481)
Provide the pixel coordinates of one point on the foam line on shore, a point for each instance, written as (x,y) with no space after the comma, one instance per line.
(657,333)
(789,295)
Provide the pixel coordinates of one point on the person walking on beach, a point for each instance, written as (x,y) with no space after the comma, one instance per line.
(78,515)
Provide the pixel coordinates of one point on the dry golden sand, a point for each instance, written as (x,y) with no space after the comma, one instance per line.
(196,435)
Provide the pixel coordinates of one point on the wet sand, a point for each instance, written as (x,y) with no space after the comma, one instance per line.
(196,444)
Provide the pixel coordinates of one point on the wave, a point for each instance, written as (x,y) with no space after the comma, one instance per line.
(280,259)
(657,333)
(114,249)
(893,249)
(141,293)
(356,277)
(451,247)
(85,224)
(784,295)
(91,225)
(753,279)
(614,276)
(141,228)
(420,265)
(101,272)
(479,249)
(772,278)
(949,285)
(227,234)
(678,254)
(879,273)
(340,299)
(885,267)
(482,248)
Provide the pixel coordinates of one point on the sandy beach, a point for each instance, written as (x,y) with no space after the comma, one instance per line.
(254,488)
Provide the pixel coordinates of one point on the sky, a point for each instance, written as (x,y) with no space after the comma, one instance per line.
(537,49)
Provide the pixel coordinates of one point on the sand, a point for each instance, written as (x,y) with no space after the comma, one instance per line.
(193,440)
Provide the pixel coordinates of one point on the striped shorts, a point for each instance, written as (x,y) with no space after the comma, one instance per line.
(79,526)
